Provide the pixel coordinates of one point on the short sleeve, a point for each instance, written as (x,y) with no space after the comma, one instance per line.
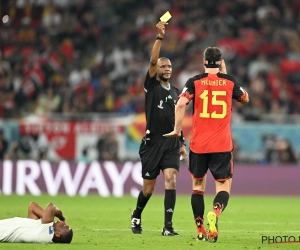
(149,81)
(41,234)
(45,233)
(188,90)
(238,91)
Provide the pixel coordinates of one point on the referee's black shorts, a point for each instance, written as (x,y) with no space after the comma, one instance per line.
(219,164)
(158,155)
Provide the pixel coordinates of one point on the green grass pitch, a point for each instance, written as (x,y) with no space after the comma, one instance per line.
(104,223)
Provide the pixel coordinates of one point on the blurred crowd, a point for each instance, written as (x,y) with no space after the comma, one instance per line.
(80,56)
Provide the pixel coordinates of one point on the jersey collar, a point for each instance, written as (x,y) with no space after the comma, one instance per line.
(166,88)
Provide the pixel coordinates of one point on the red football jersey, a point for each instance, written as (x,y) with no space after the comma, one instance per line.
(212,96)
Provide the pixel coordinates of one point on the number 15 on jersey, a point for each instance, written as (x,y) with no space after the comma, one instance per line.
(214,101)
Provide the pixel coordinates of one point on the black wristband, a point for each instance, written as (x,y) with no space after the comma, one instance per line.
(159,38)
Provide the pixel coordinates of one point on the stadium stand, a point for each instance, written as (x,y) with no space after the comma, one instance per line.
(86,59)
(71,57)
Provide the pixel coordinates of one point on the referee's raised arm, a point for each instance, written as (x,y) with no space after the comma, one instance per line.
(156,48)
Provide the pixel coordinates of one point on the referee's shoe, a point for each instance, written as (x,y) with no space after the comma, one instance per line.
(169,231)
(136,224)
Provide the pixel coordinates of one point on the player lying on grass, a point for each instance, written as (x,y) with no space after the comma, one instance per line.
(39,227)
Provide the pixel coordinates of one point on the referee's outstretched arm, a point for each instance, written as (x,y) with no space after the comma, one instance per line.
(156,48)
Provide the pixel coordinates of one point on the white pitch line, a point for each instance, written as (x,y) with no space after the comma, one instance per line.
(259,222)
(222,222)
(225,231)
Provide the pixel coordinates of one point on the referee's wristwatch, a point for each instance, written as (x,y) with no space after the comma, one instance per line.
(159,38)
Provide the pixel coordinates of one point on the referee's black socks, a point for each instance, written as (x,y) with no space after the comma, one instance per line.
(170,200)
(140,205)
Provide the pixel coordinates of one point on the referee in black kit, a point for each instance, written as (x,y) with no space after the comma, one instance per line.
(158,152)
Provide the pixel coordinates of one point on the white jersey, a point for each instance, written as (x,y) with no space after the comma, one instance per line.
(25,230)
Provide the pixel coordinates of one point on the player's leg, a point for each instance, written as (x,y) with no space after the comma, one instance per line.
(198,206)
(222,196)
(221,167)
(198,168)
(230,183)
(219,204)
(223,182)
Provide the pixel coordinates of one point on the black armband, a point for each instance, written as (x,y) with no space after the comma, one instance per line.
(181,138)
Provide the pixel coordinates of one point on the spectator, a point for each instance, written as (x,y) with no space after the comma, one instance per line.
(107,146)
(48,102)
(285,152)
(3,146)
(15,153)
(191,69)
(278,150)
(85,156)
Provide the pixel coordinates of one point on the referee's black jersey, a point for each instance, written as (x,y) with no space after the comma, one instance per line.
(160,104)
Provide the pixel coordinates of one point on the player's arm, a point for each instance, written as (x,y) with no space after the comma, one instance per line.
(35,211)
(156,48)
(239,93)
(244,97)
(181,138)
(179,115)
(184,98)
(50,212)
(182,150)
(223,69)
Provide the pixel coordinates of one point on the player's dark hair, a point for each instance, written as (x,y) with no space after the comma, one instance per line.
(212,55)
(65,237)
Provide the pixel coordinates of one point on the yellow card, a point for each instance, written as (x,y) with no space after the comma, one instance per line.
(165,17)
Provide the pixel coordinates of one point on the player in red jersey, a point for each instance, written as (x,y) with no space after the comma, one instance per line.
(211,141)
